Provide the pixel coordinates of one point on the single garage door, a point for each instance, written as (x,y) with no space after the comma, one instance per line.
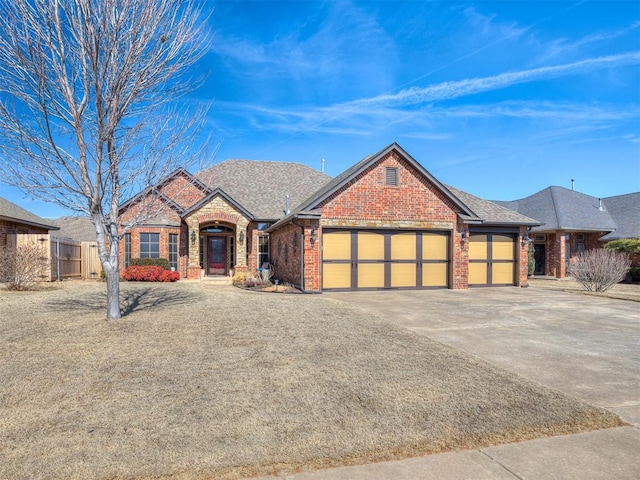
(492,259)
(376,259)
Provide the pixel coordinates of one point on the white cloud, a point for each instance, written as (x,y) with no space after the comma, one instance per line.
(460,88)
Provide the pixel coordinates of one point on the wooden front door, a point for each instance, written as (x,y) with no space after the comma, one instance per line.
(216,255)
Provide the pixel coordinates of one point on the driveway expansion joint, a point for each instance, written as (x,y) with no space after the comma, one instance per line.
(502,465)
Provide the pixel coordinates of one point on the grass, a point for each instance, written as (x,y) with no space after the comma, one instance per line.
(620,291)
(202,383)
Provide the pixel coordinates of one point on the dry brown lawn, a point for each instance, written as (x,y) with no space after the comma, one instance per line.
(197,382)
(620,291)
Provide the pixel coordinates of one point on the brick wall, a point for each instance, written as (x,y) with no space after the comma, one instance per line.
(291,245)
(182,191)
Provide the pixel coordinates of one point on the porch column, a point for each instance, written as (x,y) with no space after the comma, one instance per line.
(241,247)
(560,254)
(193,270)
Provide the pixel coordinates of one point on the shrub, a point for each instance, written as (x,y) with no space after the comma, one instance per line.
(150,262)
(239,278)
(628,245)
(531,267)
(634,273)
(149,273)
(598,270)
(21,267)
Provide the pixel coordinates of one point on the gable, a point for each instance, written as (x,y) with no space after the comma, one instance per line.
(371,193)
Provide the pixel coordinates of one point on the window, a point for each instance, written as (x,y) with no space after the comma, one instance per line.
(149,245)
(173,250)
(263,250)
(391,177)
(127,250)
(232,252)
(263,226)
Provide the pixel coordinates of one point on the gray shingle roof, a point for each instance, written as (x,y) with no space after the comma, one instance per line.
(625,211)
(76,228)
(558,208)
(13,212)
(490,212)
(261,186)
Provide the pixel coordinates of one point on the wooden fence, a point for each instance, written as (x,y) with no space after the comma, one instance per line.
(66,258)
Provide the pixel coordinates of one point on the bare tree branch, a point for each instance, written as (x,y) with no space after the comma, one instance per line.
(89,110)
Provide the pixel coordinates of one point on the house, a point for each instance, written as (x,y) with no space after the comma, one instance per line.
(386,222)
(572,222)
(15,219)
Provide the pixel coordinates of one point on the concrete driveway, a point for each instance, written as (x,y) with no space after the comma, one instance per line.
(585,346)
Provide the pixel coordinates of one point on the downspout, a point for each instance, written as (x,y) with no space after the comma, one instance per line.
(301,253)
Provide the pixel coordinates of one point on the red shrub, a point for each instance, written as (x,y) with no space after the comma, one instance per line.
(148,273)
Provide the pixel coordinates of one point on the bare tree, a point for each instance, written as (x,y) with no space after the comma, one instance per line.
(89,111)
(598,270)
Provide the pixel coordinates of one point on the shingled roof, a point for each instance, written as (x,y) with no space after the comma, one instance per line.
(625,211)
(492,213)
(12,212)
(558,208)
(77,228)
(261,186)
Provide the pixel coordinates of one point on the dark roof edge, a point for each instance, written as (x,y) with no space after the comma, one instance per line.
(28,222)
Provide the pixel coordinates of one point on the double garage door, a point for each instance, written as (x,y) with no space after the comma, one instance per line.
(359,259)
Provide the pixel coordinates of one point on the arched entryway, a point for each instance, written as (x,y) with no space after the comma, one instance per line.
(217,248)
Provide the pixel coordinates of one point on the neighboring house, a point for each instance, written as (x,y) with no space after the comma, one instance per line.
(572,222)
(386,222)
(15,219)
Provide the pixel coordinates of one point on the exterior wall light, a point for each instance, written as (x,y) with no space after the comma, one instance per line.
(464,236)
(193,237)
(241,238)
(314,236)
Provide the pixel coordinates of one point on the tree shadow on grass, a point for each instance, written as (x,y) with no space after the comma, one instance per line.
(135,299)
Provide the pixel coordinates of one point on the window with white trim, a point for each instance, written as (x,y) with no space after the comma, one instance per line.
(263,250)
(173,251)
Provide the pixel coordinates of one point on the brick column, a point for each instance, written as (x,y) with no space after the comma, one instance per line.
(560,255)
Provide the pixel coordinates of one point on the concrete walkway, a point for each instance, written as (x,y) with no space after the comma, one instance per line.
(587,347)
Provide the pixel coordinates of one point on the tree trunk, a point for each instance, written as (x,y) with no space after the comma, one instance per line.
(113,293)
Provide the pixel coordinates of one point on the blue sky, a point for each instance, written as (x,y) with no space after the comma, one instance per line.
(500,99)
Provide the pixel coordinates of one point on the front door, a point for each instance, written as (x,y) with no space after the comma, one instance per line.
(539,254)
(216,255)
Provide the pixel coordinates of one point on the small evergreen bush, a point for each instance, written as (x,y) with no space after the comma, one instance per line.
(150,262)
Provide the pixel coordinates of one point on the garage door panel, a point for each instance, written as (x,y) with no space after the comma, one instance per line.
(478,247)
(370,275)
(502,273)
(336,246)
(336,275)
(434,275)
(403,246)
(478,273)
(435,246)
(403,275)
(502,247)
(370,246)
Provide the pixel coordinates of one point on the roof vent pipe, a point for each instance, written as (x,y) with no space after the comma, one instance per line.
(286,205)
(573,184)
(600,207)
(322,166)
